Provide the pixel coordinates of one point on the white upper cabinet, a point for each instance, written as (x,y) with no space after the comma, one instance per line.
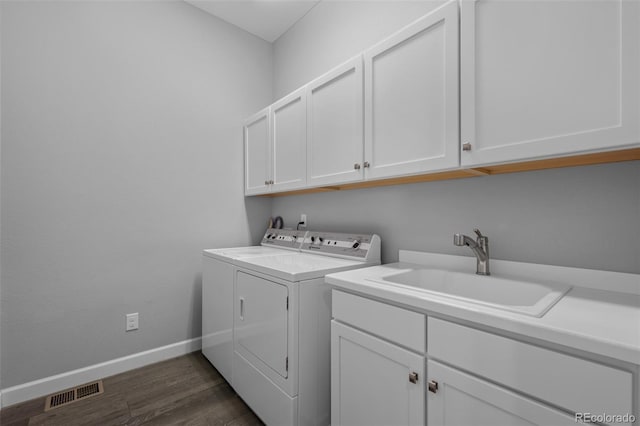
(411,98)
(548,78)
(289,142)
(257,153)
(334,132)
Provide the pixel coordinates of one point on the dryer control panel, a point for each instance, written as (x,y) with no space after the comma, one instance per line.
(365,247)
(354,246)
(283,238)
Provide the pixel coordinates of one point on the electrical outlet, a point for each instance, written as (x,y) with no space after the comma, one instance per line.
(303,220)
(132,322)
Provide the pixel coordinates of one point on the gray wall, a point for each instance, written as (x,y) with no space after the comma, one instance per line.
(583,217)
(121,161)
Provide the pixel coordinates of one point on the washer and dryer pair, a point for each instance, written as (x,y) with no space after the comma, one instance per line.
(266,319)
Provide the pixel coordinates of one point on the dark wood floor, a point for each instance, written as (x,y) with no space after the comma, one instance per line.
(180,391)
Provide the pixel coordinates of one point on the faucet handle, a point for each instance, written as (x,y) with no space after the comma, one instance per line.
(477,231)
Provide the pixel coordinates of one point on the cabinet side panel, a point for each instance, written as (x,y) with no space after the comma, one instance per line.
(217,314)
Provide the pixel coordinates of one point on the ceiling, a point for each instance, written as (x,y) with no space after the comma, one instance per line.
(267,19)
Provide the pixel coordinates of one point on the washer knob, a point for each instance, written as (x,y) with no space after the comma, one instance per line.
(356,244)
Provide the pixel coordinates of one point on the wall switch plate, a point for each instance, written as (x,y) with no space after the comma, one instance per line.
(132,322)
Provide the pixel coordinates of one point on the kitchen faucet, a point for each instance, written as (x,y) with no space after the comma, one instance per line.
(480,248)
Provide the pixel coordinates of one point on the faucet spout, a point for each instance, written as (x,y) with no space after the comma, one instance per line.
(480,248)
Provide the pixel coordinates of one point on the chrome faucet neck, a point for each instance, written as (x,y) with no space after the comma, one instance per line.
(480,248)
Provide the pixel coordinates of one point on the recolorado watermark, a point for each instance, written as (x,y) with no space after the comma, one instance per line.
(604,418)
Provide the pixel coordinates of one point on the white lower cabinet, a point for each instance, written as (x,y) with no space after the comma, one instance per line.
(473,377)
(462,399)
(374,382)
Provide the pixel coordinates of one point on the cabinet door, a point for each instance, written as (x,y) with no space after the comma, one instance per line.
(548,78)
(289,142)
(334,141)
(411,98)
(370,381)
(257,147)
(461,399)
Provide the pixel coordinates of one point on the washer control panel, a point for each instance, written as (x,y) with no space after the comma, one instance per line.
(365,247)
(343,245)
(283,238)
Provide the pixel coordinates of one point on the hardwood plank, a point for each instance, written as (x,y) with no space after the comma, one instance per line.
(20,413)
(220,402)
(185,390)
(103,409)
(248,419)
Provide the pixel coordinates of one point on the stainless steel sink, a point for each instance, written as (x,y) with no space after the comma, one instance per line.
(502,292)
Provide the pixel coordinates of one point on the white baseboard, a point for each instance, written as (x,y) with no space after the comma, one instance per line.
(42,387)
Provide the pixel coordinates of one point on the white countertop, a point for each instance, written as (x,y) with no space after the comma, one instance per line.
(600,314)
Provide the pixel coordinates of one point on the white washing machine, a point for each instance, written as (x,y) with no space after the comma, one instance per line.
(218,277)
(282,322)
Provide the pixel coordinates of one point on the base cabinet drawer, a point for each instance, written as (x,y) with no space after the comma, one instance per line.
(462,399)
(392,323)
(374,382)
(575,384)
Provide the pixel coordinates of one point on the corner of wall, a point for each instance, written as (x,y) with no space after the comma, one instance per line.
(0,204)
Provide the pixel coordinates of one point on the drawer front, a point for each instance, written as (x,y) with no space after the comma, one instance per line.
(397,325)
(563,380)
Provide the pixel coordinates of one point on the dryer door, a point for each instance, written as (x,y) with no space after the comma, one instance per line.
(261,320)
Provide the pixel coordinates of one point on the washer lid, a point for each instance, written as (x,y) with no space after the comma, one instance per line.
(298,266)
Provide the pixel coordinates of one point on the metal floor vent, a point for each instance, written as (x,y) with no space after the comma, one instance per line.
(70,396)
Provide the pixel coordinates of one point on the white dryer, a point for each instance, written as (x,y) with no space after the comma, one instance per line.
(282,325)
(218,277)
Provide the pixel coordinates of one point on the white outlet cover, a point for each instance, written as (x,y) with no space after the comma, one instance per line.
(132,322)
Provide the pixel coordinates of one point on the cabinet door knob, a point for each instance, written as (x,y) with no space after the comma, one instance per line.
(356,166)
(466,146)
(433,386)
(266,182)
(413,377)
(366,165)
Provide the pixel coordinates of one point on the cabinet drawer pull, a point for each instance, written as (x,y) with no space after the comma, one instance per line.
(466,146)
(242,308)
(433,386)
(413,377)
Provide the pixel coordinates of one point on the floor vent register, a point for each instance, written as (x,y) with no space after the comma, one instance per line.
(70,396)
